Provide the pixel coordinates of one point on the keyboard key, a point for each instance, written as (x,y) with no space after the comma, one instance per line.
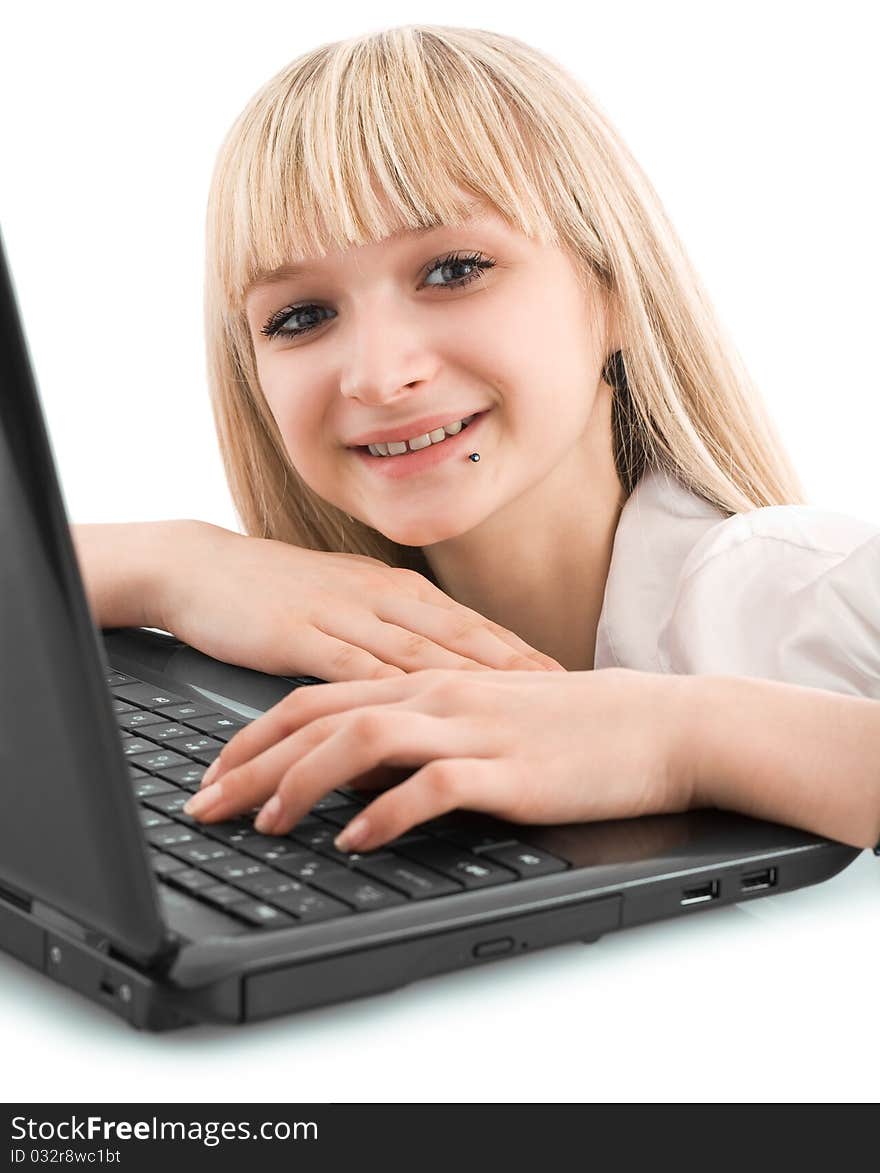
(162,864)
(270,847)
(474,839)
(331,800)
(474,871)
(310,906)
(232,831)
(269,885)
(145,787)
(188,776)
(220,895)
(168,804)
(123,706)
(197,745)
(304,865)
(527,861)
(133,745)
(136,718)
(321,840)
(263,915)
(410,878)
(342,814)
(346,857)
(188,820)
(159,759)
(147,696)
(173,833)
(184,711)
(307,824)
(361,894)
(151,818)
(114,679)
(234,867)
(163,731)
(224,728)
(202,852)
(191,879)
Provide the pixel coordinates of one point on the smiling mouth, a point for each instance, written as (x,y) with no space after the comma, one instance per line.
(365,448)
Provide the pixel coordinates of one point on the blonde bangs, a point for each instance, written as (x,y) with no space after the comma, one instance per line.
(356,142)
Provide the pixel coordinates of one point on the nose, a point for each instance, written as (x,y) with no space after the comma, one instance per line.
(386,352)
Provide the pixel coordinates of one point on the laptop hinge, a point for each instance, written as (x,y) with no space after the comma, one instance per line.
(158,961)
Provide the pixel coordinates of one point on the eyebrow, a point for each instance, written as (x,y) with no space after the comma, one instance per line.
(288,272)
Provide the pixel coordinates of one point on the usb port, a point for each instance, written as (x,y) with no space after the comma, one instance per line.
(700,894)
(756,881)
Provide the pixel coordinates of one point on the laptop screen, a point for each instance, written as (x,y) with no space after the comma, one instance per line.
(69,832)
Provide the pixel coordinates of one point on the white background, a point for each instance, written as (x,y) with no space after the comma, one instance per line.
(757,125)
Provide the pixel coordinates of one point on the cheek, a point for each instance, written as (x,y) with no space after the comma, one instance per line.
(289,404)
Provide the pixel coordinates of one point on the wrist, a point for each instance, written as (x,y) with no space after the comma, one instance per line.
(690,713)
(166,547)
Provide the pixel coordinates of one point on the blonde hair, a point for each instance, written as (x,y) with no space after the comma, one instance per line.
(297,176)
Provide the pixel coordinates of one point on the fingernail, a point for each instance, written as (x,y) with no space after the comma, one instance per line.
(209,774)
(203,800)
(268,816)
(352,835)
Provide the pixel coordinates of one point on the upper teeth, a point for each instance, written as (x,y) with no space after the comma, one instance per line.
(396,447)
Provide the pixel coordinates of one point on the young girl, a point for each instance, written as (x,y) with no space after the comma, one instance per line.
(434,235)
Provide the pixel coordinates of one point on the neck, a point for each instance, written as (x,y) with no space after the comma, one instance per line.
(538,566)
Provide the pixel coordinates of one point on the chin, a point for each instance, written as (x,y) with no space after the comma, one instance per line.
(421,533)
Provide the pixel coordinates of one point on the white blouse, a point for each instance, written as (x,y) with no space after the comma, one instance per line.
(786,592)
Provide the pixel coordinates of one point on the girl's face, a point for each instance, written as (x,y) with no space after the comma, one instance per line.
(423,329)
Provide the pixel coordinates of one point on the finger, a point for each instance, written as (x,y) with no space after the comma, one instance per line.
(304,766)
(428,635)
(442,785)
(436,597)
(319,653)
(301,706)
(352,745)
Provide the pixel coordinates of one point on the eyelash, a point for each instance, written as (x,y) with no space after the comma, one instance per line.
(274,324)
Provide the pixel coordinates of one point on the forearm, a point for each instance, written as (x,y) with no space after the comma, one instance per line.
(124,567)
(806,757)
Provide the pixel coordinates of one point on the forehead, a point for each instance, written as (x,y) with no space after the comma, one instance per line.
(476,213)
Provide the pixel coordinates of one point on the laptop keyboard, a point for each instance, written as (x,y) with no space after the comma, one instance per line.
(277,881)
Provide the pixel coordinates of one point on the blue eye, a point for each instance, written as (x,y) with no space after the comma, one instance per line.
(476,261)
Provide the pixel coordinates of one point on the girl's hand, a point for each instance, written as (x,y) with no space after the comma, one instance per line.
(605,744)
(278,608)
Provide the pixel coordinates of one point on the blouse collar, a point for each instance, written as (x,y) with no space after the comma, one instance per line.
(660,523)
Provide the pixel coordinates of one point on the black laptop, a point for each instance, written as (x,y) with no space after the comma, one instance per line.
(107,887)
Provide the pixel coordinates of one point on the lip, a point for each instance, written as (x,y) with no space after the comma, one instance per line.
(412,463)
(406,431)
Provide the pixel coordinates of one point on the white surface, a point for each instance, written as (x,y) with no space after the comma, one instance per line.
(769,1001)
(756,123)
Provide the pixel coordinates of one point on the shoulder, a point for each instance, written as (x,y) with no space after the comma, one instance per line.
(788,592)
(802,535)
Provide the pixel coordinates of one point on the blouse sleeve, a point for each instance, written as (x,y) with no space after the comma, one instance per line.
(787,593)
